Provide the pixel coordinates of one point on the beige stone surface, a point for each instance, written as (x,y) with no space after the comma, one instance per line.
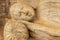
(15,30)
(21,11)
(33,3)
(38,32)
(2,23)
(48,14)
(46,26)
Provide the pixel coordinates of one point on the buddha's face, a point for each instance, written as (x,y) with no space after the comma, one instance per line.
(21,11)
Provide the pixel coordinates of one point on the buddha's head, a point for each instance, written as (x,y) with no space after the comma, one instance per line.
(21,11)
